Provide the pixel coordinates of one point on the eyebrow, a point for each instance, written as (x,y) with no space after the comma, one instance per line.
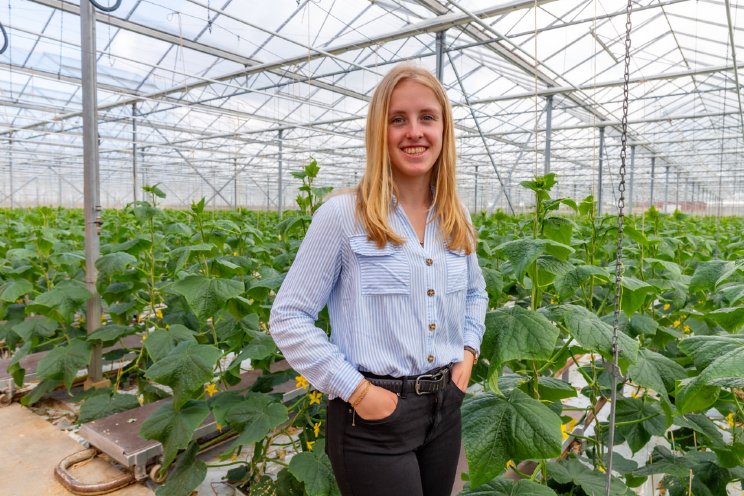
(422,111)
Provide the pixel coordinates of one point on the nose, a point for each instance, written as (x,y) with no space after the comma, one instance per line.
(414,131)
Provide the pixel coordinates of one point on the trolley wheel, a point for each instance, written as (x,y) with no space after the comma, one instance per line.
(155,474)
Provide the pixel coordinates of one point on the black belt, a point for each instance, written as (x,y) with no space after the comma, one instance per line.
(428,383)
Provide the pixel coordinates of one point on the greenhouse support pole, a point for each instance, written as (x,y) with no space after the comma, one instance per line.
(235,183)
(666,188)
(630,185)
(90,189)
(676,194)
(653,173)
(281,164)
(134,153)
(475,199)
(440,54)
(548,131)
(601,156)
(10,168)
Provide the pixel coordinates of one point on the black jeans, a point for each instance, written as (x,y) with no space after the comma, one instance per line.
(413,452)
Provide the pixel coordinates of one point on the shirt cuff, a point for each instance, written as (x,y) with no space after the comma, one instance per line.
(345,383)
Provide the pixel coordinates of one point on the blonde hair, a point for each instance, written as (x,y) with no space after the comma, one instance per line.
(375,190)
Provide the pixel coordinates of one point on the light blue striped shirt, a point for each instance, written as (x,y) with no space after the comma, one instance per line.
(400,310)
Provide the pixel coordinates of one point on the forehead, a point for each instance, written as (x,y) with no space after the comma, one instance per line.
(410,94)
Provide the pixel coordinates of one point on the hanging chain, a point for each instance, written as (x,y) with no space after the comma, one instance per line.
(619,260)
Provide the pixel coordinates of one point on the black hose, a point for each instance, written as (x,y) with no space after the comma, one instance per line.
(5,39)
(106,9)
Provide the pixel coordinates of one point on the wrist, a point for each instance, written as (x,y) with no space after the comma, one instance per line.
(359,393)
(473,354)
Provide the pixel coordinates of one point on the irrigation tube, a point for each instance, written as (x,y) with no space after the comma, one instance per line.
(104,8)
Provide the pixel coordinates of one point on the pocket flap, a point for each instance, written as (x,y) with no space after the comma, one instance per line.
(363,246)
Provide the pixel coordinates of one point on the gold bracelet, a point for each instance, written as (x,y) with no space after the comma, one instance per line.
(362,394)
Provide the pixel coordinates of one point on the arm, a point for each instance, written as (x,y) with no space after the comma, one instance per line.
(476,304)
(304,292)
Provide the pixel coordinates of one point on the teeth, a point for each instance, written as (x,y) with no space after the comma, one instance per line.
(414,150)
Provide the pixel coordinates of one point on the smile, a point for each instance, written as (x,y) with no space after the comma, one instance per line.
(414,150)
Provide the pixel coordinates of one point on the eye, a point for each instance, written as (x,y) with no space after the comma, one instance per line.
(428,117)
(396,120)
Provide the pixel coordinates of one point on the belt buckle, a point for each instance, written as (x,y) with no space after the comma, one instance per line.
(417,385)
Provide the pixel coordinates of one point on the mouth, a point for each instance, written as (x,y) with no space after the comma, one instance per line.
(414,150)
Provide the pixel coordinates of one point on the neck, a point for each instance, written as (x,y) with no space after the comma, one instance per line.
(414,192)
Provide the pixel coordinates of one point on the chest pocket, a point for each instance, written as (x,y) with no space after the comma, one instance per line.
(382,271)
(457,271)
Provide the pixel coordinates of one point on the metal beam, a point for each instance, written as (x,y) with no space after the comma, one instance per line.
(548,130)
(440,55)
(653,174)
(91,186)
(632,173)
(601,157)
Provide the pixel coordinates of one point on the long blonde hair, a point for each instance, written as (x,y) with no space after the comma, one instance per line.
(375,190)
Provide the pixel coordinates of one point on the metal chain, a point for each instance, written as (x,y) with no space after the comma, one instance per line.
(619,259)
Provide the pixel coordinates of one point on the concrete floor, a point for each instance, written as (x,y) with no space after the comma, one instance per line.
(30,448)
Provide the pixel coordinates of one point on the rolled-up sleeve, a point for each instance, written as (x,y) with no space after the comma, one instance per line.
(476,304)
(303,294)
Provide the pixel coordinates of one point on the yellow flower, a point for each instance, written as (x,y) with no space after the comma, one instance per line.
(144,337)
(141,399)
(167,326)
(553,301)
(159,313)
(601,469)
(103,318)
(677,323)
(510,464)
(667,306)
(219,427)
(301,382)
(316,428)
(235,254)
(309,445)
(210,389)
(730,419)
(687,329)
(567,428)
(315,397)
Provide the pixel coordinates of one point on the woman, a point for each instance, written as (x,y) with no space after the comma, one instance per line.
(395,262)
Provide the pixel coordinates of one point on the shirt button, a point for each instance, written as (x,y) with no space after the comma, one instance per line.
(430,358)
(429,261)
(432,326)
(429,292)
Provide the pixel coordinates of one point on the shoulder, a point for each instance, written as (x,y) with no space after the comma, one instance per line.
(338,208)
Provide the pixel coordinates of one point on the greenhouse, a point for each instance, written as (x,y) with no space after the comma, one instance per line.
(162,162)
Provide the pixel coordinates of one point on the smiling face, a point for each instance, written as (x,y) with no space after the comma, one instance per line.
(414,130)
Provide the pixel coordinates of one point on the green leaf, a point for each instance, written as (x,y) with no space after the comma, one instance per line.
(595,335)
(730,319)
(656,372)
(517,333)
(111,333)
(570,281)
(634,294)
(558,229)
(188,473)
(727,370)
(572,471)
(161,342)
(62,301)
(703,425)
(261,346)
(638,419)
(664,462)
(114,263)
(41,327)
(504,487)
(732,293)
(14,289)
(554,389)
(205,295)
(313,468)
(643,324)
(710,274)
(186,369)
(63,362)
(103,403)
(522,253)
(255,416)
(705,349)
(496,430)
(174,428)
